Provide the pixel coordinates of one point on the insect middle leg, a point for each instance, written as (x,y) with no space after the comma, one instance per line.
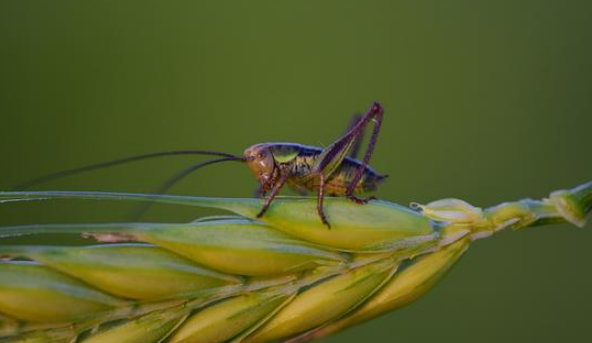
(320,201)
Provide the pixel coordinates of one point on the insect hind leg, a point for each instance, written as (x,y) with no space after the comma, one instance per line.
(358,140)
(374,114)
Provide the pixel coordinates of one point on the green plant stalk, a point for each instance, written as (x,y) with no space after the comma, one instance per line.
(574,204)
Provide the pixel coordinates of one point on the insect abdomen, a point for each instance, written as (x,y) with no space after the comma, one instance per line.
(343,177)
(339,181)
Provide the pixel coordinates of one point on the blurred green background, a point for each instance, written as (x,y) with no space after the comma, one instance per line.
(486,101)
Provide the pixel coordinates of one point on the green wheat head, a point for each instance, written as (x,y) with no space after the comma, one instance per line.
(240,279)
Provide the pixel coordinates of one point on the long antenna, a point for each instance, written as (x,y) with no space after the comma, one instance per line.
(74,171)
(168,184)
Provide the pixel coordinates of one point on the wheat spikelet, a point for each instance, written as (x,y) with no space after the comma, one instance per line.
(285,277)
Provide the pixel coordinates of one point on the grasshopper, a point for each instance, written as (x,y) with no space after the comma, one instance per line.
(333,170)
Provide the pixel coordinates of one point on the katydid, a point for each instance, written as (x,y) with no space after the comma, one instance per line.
(333,170)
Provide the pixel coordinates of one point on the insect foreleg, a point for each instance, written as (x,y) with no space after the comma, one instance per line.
(284,175)
(259,192)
